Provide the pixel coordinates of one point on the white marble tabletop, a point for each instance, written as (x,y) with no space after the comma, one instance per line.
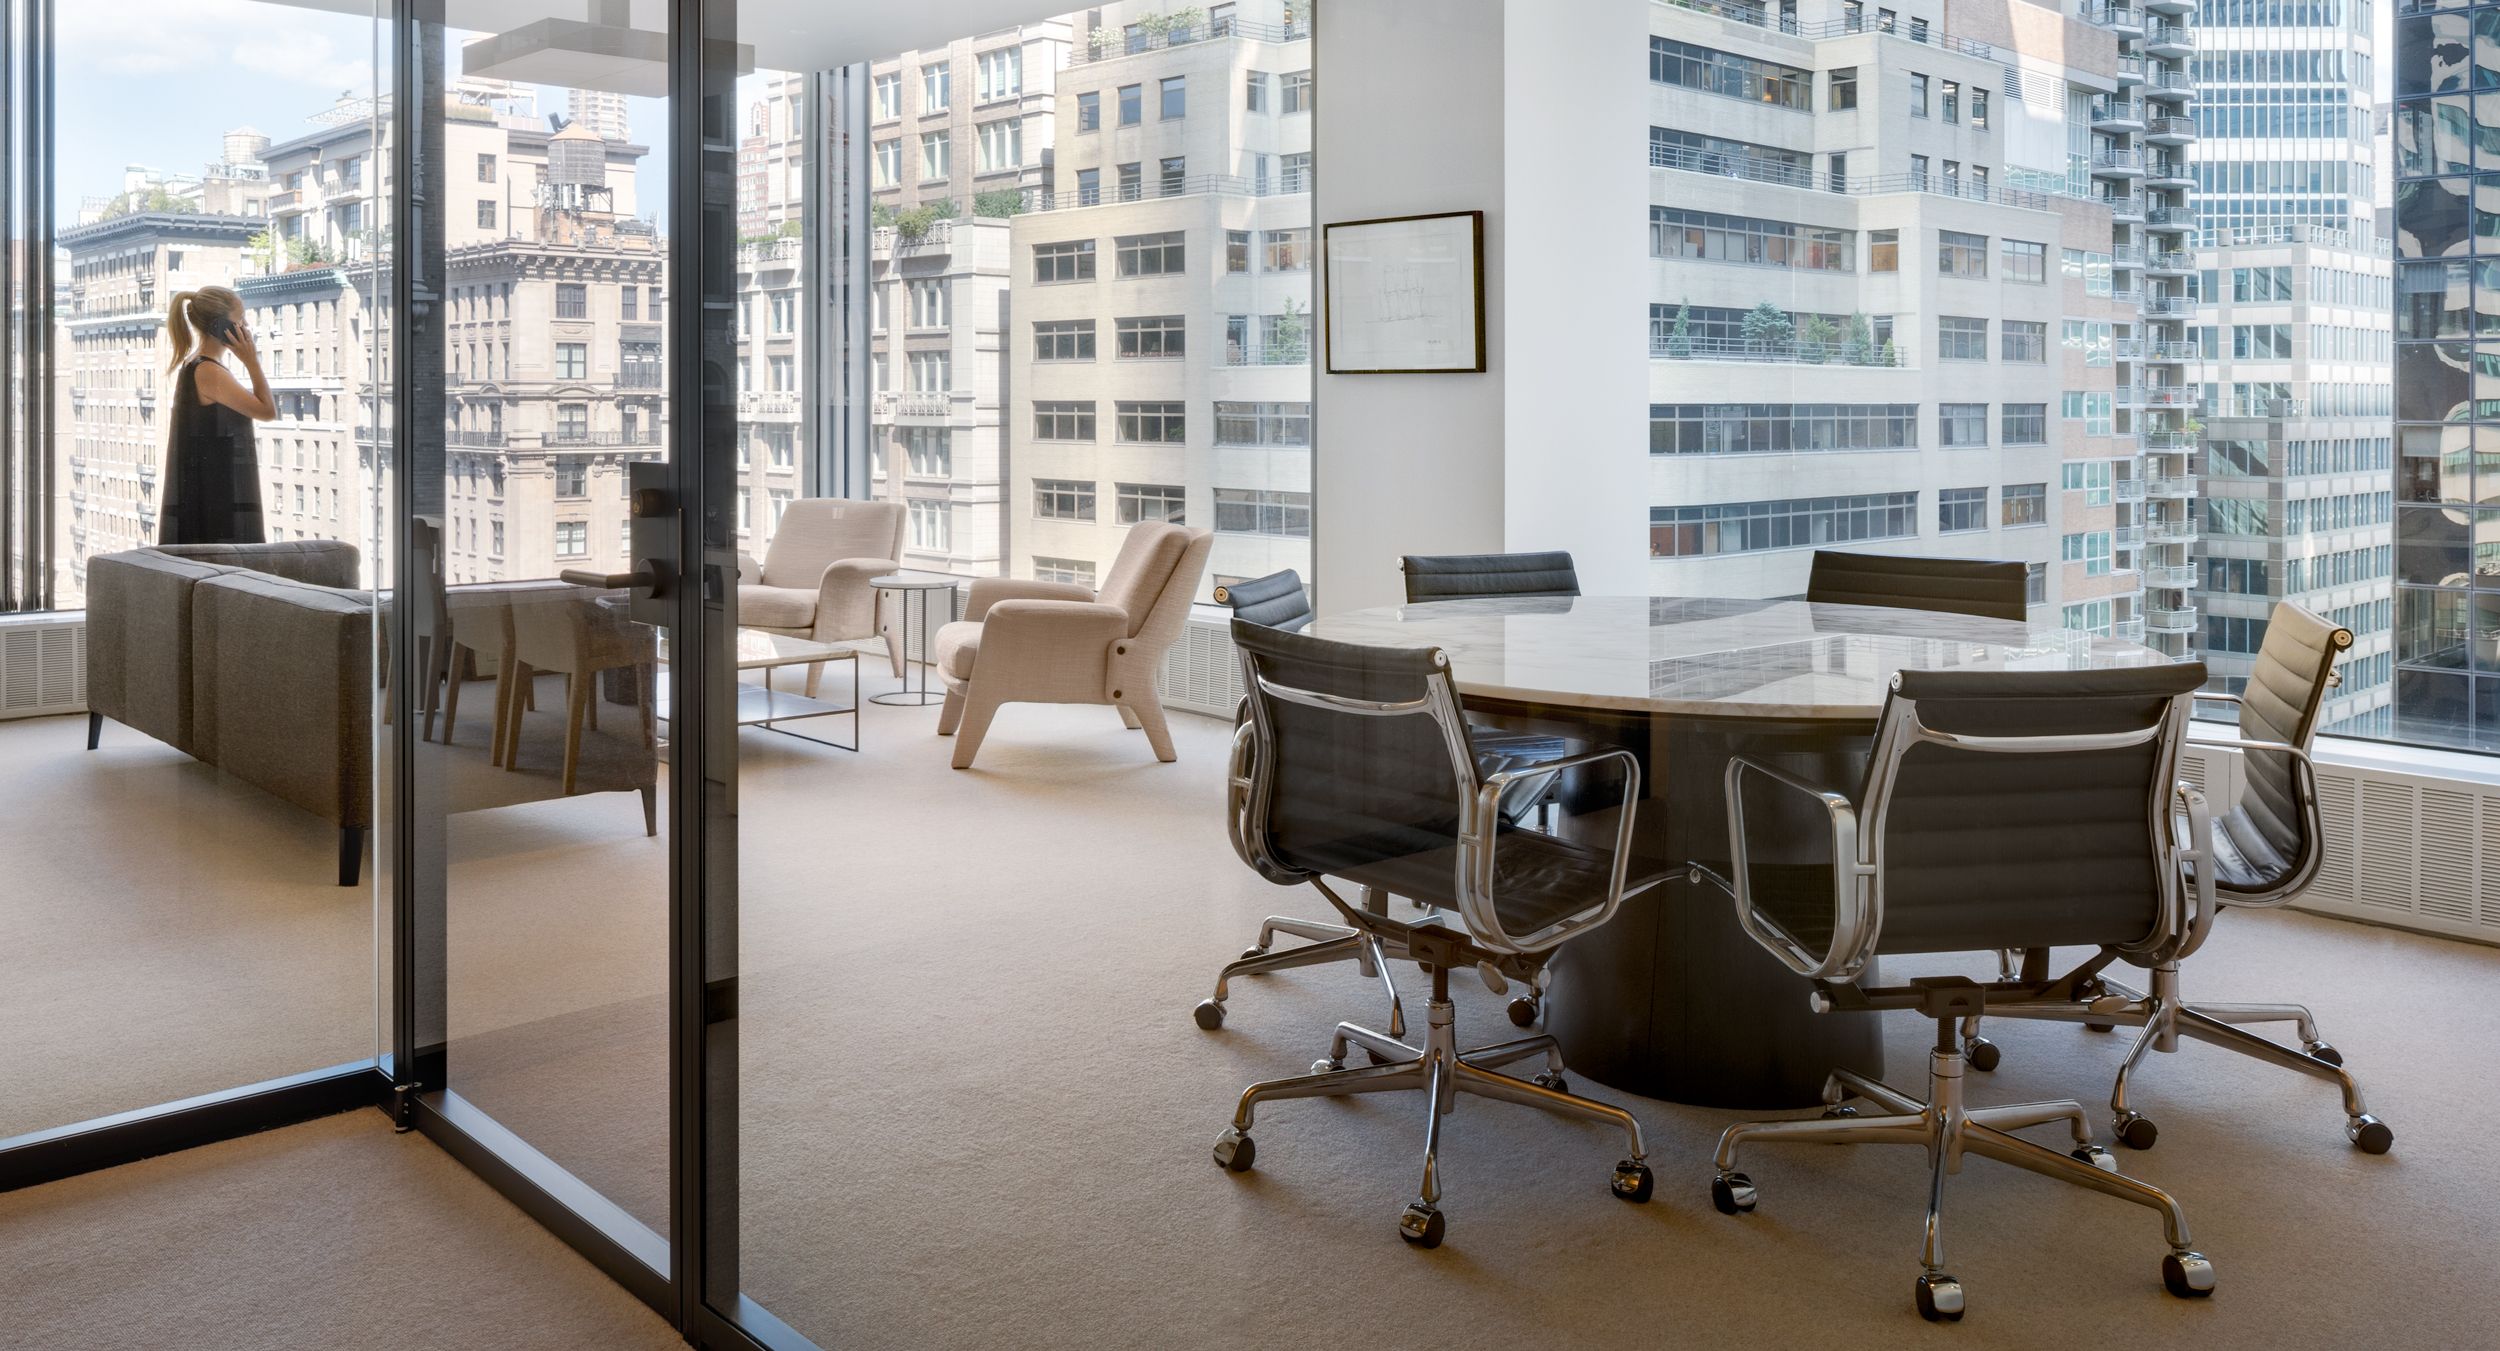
(1708,657)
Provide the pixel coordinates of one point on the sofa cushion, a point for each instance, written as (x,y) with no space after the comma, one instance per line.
(777,607)
(956,647)
(322,562)
(139,641)
(282,686)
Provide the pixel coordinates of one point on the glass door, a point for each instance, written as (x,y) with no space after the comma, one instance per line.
(545,644)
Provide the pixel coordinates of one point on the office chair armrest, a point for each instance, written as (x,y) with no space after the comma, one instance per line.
(1480,843)
(2305,793)
(1854,911)
(2200,901)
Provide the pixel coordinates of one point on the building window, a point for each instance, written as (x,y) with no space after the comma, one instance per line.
(937,88)
(627,298)
(1000,73)
(1254,98)
(1792,523)
(1961,509)
(1174,175)
(1063,499)
(1716,72)
(1149,423)
(1962,424)
(572,300)
(1844,88)
(1763,428)
(1157,255)
(2025,340)
(1074,570)
(889,93)
(1174,97)
(931,525)
(1952,101)
(1236,250)
(486,170)
(1918,94)
(1063,420)
(1960,339)
(932,372)
(1883,251)
(2024,424)
(1961,255)
(930,451)
(1152,502)
(1132,104)
(1294,172)
(781,499)
(1002,144)
(1262,424)
(934,148)
(1296,92)
(572,478)
(1287,250)
(1132,182)
(889,162)
(573,424)
(1072,261)
(1263,511)
(2026,504)
(1089,111)
(1979,109)
(486,214)
(572,539)
(1154,337)
(1712,237)
(2024,261)
(1063,340)
(928,302)
(572,361)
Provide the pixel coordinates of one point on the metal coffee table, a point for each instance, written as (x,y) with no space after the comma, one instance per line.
(769,708)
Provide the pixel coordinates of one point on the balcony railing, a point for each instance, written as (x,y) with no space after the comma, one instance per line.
(2169,396)
(1192,185)
(2117,110)
(2182,620)
(1797,352)
(1755,169)
(2126,17)
(2171,126)
(1268,354)
(2169,35)
(643,375)
(2171,487)
(2127,630)
(570,439)
(2169,443)
(2163,307)
(1111,43)
(2129,490)
(2167,167)
(2118,161)
(469,440)
(2174,576)
(2170,532)
(917,403)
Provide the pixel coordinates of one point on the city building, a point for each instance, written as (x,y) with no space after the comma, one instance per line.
(1889,214)
(601,110)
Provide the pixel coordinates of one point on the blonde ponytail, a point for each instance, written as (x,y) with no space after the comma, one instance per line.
(178,328)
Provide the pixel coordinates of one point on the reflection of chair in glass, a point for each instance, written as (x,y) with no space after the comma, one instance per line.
(2266,850)
(1355,763)
(814,580)
(2017,809)
(1483,576)
(1961,586)
(1028,642)
(574,636)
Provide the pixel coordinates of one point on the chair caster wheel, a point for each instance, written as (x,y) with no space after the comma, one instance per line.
(1982,1054)
(1732,1193)
(1553,1081)
(1633,1181)
(2318,1050)
(1422,1226)
(2369,1134)
(2133,1131)
(1939,1298)
(1326,1066)
(1839,1111)
(1250,952)
(2096,1156)
(1523,1012)
(1235,1152)
(2189,1275)
(2100,1027)
(1210,1015)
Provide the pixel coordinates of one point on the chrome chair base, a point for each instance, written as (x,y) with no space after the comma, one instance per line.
(2164,1018)
(1329,943)
(1441,1071)
(1948,1130)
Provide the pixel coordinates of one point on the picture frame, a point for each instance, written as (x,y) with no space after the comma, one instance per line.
(1404,295)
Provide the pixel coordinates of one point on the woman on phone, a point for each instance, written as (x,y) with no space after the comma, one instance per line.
(212,470)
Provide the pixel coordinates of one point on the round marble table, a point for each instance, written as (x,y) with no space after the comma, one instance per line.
(1672,1000)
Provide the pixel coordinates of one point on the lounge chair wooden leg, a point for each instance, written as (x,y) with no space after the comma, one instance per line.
(451,693)
(978,710)
(523,678)
(592,702)
(815,673)
(1128,717)
(576,700)
(1149,710)
(951,713)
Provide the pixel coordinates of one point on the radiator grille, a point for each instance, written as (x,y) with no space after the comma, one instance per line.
(43,665)
(1201,672)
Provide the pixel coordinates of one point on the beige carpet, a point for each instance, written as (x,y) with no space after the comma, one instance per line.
(975,1111)
(334,1234)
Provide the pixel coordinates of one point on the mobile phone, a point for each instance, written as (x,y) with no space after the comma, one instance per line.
(222,330)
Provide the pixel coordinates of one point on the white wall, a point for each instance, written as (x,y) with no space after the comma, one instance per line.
(1537,122)
(1409,122)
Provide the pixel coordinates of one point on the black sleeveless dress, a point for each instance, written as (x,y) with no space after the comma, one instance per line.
(212,472)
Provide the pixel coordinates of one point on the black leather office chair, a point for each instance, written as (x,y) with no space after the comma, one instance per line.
(1277,600)
(1961,586)
(2266,850)
(2000,809)
(1478,576)
(1355,764)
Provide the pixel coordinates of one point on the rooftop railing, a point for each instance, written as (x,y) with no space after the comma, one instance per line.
(1798,352)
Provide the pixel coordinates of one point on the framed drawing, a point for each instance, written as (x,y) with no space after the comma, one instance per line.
(1404,295)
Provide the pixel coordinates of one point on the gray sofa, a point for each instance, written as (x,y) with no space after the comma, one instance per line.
(255,658)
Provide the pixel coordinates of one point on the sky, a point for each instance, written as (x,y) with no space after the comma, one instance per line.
(160,82)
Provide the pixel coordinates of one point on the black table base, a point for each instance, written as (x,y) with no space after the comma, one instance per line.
(1672,1000)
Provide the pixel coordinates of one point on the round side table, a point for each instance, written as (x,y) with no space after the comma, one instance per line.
(915,597)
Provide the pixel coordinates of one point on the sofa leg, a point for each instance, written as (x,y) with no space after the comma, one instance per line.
(978,710)
(351,854)
(1149,710)
(95,729)
(951,713)
(650,809)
